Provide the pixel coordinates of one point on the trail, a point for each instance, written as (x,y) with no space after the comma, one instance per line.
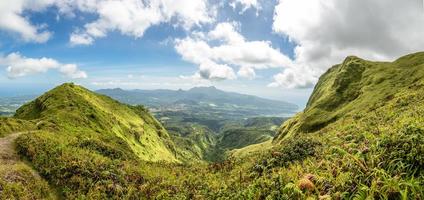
(9,157)
(8,154)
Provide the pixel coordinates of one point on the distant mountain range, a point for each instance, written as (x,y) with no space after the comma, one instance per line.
(361,136)
(198,99)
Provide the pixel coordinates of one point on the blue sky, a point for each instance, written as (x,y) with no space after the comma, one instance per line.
(274,49)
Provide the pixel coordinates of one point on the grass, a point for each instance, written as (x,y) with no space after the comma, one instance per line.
(11,125)
(360,137)
(75,111)
(18,182)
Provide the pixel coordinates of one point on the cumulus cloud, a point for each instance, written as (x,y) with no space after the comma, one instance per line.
(81,39)
(326,31)
(134,17)
(232,51)
(245,4)
(129,17)
(214,71)
(247,72)
(12,19)
(19,66)
(72,71)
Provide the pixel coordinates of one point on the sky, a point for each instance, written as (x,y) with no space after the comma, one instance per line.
(270,48)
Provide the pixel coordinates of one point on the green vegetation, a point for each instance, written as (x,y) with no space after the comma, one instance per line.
(369,118)
(10,125)
(87,137)
(195,142)
(361,136)
(202,141)
(353,87)
(75,112)
(241,137)
(18,182)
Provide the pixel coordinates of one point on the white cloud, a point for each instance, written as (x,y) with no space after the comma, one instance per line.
(134,17)
(296,77)
(80,39)
(326,31)
(129,17)
(232,51)
(150,82)
(213,71)
(19,66)
(72,71)
(245,4)
(247,72)
(12,20)
(227,32)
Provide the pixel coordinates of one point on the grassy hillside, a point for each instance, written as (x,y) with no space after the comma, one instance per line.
(89,145)
(354,87)
(10,125)
(241,137)
(360,136)
(195,142)
(74,111)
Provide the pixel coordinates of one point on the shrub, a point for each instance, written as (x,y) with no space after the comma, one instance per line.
(18,181)
(407,147)
(293,150)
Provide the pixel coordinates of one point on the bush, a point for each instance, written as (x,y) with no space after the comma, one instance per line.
(18,181)
(407,147)
(293,150)
(80,172)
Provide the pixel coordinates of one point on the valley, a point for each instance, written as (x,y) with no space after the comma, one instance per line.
(205,132)
(360,136)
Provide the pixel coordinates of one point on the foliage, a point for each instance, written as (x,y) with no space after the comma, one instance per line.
(10,125)
(293,150)
(75,111)
(18,182)
(360,137)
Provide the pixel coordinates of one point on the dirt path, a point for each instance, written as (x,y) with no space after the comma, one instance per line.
(8,154)
(9,159)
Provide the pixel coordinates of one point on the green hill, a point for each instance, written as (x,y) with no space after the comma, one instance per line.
(195,142)
(355,88)
(361,136)
(241,137)
(76,111)
(88,145)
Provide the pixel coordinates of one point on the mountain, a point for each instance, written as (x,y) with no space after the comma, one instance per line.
(356,88)
(74,110)
(85,146)
(361,136)
(205,100)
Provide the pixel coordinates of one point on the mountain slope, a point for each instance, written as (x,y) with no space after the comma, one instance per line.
(356,86)
(361,136)
(90,146)
(75,110)
(17,178)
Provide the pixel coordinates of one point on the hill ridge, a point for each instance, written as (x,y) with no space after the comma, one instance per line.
(354,84)
(72,108)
